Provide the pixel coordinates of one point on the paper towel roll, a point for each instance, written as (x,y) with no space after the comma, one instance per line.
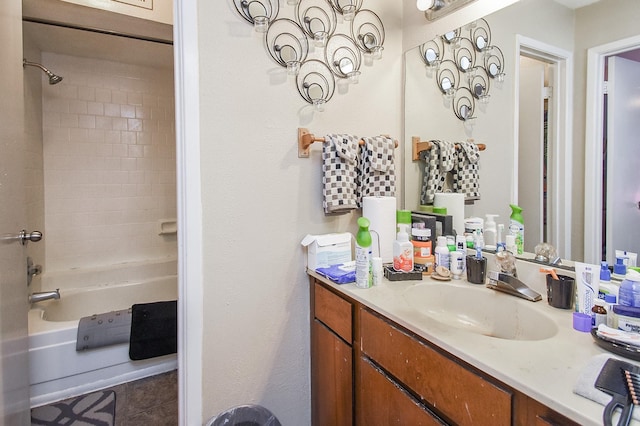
(381,212)
(454,203)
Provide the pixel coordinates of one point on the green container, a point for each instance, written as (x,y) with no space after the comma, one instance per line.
(516,226)
(364,270)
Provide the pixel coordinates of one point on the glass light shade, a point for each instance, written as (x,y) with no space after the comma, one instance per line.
(261,24)
(424,5)
(293,67)
(349,12)
(353,77)
(318,104)
(376,52)
(320,38)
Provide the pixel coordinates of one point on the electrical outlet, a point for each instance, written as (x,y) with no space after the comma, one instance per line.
(146,4)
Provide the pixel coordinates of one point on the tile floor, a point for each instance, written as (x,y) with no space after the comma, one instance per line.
(149,401)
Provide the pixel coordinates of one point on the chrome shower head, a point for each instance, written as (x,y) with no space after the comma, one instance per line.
(53,78)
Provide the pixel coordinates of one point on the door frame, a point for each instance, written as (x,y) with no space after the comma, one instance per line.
(594,133)
(560,159)
(189,208)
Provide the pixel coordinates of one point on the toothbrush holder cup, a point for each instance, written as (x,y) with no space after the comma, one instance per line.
(476,269)
(561,292)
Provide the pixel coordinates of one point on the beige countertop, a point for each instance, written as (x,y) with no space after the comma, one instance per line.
(545,370)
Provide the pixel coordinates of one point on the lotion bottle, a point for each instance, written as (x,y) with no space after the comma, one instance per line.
(364,273)
(490,231)
(402,250)
(442,252)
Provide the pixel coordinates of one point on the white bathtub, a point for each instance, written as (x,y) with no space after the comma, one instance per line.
(56,370)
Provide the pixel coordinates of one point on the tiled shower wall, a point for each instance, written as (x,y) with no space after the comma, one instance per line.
(109,162)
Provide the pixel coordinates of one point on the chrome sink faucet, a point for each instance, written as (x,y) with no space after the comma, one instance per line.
(44,295)
(511,285)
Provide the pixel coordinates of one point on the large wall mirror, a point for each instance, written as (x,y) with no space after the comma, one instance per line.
(534,124)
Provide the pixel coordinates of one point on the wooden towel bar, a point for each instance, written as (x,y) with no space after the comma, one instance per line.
(305,139)
(419,146)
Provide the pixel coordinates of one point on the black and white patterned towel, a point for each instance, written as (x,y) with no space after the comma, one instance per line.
(377,176)
(339,173)
(439,161)
(466,177)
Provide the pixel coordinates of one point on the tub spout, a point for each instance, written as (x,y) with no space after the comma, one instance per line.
(44,295)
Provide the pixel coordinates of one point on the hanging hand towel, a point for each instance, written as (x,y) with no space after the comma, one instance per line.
(377,176)
(439,160)
(339,173)
(466,178)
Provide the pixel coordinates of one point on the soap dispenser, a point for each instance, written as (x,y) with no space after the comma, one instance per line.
(402,250)
(490,231)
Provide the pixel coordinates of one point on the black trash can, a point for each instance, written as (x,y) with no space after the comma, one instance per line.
(245,415)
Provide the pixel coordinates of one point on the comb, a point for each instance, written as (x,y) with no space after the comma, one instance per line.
(632,380)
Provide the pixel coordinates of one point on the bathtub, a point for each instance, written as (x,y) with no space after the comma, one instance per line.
(56,370)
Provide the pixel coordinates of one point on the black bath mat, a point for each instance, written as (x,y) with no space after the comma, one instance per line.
(154,330)
(94,409)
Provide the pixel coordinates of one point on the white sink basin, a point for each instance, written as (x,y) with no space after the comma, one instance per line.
(481,311)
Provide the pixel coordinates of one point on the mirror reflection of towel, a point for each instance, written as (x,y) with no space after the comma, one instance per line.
(439,161)
(466,176)
(339,173)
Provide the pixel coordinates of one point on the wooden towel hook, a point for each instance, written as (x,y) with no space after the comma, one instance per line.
(305,139)
(419,146)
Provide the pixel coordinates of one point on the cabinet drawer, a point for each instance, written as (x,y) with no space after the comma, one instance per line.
(379,401)
(333,311)
(453,390)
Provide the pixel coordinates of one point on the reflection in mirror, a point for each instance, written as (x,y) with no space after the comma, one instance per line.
(345,65)
(517,28)
(493,123)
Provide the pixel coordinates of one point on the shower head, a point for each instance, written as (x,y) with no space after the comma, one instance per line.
(53,78)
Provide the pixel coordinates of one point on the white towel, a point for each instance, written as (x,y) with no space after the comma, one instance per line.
(585,385)
(339,173)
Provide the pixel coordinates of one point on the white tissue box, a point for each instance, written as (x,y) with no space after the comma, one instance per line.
(327,249)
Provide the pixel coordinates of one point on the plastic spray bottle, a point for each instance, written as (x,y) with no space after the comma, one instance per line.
(402,250)
(364,273)
(516,227)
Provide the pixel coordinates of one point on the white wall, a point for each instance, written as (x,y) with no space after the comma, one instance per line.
(260,199)
(109,162)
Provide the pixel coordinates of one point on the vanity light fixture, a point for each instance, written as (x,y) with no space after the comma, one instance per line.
(440,8)
(310,45)
(466,62)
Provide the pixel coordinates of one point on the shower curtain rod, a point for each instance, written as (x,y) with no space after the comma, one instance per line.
(97,30)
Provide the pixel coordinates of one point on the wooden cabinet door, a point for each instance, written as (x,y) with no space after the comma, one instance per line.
(380,401)
(454,391)
(331,378)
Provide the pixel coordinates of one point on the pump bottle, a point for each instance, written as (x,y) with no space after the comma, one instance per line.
(402,250)
(490,231)
(364,273)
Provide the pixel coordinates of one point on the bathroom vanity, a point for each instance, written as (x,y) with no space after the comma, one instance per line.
(377,357)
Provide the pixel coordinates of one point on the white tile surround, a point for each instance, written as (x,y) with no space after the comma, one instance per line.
(109,162)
